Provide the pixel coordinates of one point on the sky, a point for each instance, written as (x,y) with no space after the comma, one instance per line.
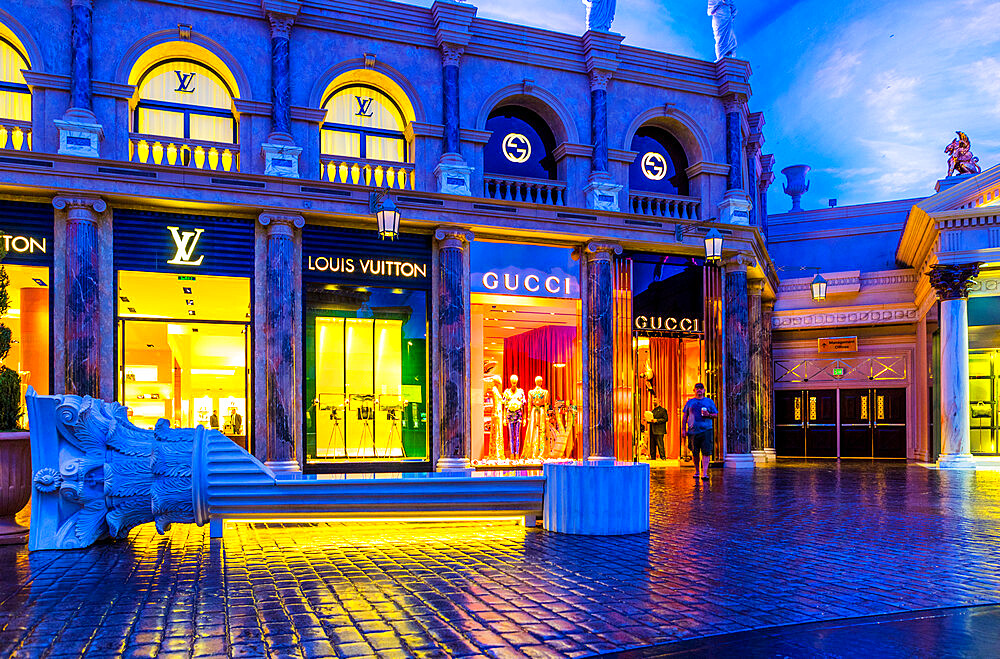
(866,93)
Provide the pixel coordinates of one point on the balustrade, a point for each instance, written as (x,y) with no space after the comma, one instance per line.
(660,205)
(15,135)
(377,173)
(533,191)
(156,150)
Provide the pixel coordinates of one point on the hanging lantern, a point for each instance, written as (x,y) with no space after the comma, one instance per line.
(818,286)
(382,205)
(713,245)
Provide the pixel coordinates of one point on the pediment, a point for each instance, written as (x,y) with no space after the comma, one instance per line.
(970,191)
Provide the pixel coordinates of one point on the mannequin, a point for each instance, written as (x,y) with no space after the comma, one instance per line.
(513,402)
(538,417)
(495,449)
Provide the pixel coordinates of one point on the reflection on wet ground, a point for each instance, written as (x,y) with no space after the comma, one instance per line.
(796,543)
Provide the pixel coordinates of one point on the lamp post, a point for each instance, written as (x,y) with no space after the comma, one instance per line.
(383,207)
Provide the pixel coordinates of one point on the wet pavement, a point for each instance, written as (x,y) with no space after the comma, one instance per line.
(749,554)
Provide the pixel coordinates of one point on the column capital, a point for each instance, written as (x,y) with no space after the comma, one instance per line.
(738,263)
(766,177)
(734,103)
(279,224)
(767,306)
(281,24)
(596,250)
(453,237)
(599,79)
(451,54)
(92,204)
(952,281)
(755,287)
(89,4)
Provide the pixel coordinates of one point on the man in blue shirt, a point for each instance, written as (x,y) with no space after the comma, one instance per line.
(697,422)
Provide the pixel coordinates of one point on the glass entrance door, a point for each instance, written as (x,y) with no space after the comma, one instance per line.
(806,423)
(873,423)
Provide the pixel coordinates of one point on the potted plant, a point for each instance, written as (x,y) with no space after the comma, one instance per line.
(15,447)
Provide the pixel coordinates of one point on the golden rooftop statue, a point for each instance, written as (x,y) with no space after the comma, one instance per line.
(960,158)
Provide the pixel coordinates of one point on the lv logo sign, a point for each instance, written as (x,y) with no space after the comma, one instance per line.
(185,242)
(184,82)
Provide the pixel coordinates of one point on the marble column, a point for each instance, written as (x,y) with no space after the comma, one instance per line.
(763,183)
(453,320)
(735,206)
(452,173)
(82,330)
(756,384)
(952,283)
(282,427)
(602,191)
(600,347)
(738,385)
(281,156)
(767,319)
(79,132)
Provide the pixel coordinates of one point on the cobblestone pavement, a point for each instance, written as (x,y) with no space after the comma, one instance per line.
(781,545)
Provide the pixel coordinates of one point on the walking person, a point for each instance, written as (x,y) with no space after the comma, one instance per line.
(696,420)
(657,429)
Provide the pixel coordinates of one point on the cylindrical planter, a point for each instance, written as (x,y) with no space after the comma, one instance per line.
(15,484)
(596,497)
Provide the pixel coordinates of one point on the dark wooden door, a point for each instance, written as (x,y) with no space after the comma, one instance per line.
(789,424)
(889,427)
(821,423)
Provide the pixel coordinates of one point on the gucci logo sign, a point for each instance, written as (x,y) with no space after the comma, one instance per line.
(516,148)
(654,166)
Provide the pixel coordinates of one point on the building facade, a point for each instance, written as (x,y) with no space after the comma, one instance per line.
(189,194)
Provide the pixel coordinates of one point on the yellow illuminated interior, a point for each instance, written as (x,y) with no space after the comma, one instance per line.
(13,105)
(174,364)
(28,319)
(382,106)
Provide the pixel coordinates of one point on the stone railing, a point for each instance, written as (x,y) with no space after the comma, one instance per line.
(663,205)
(15,135)
(377,173)
(158,150)
(531,190)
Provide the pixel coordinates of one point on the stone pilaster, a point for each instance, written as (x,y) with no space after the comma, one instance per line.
(281,156)
(282,427)
(601,52)
(453,321)
(952,285)
(737,386)
(757,412)
(763,184)
(79,132)
(767,319)
(600,347)
(735,206)
(452,23)
(82,329)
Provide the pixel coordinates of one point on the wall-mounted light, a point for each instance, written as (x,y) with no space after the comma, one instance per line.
(383,207)
(818,287)
(713,239)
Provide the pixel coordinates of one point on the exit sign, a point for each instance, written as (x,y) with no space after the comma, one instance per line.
(185,278)
(838,371)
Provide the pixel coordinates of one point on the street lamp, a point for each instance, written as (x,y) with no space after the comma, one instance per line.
(713,240)
(383,206)
(818,287)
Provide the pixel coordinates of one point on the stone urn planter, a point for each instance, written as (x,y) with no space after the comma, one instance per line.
(15,484)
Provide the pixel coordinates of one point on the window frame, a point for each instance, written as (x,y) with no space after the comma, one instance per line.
(16,87)
(362,131)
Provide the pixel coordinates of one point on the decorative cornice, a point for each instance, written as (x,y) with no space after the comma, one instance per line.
(281,24)
(952,281)
(453,237)
(809,319)
(597,250)
(90,204)
(703,167)
(279,224)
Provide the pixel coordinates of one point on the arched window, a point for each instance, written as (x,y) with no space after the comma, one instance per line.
(363,122)
(184,116)
(661,164)
(15,98)
(521,144)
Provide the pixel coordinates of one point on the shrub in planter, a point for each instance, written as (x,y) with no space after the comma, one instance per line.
(15,451)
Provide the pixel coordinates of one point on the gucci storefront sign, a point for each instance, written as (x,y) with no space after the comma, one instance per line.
(666,324)
(529,270)
(667,295)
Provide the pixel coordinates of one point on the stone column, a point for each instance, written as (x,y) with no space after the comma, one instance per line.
(602,191)
(756,383)
(763,183)
(453,320)
(282,427)
(79,132)
(738,383)
(82,329)
(452,23)
(952,283)
(735,206)
(600,348)
(281,156)
(767,318)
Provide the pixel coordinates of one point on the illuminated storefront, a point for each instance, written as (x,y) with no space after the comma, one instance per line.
(184,309)
(526,328)
(984,375)
(27,241)
(365,332)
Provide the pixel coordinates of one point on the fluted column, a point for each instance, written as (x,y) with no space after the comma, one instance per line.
(767,318)
(952,285)
(600,354)
(756,383)
(282,428)
(82,330)
(281,156)
(79,132)
(737,363)
(453,322)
